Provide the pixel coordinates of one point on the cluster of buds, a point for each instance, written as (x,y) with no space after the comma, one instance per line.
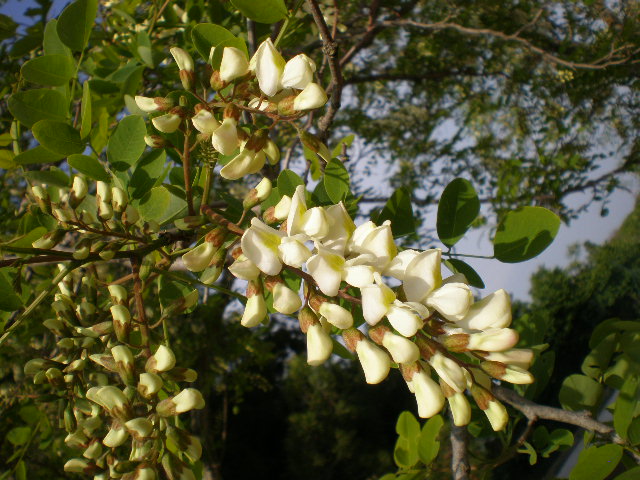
(88,210)
(442,341)
(118,397)
(263,85)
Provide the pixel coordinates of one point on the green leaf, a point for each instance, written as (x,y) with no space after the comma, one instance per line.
(207,35)
(524,234)
(9,300)
(633,432)
(632,474)
(21,470)
(336,180)
(528,449)
(27,239)
(263,11)
(598,359)
(172,290)
(127,143)
(596,463)
(630,343)
(405,453)
(457,209)
(407,426)
(76,22)
(51,42)
(428,445)
(41,104)
(58,137)
(579,392)
(7,27)
(53,176)
(288,181)
(161,205)
(626,404)
(337,150)
(90,166)
(147,172)
(19,435)
(398,209)
(458,266)
(85,112)
(38,154)
(49,70)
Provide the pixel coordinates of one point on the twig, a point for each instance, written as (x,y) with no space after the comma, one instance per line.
(186,167)
(534,411)
(142,316)
(459,460)
(330,49)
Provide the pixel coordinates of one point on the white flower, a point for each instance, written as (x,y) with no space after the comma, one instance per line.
(188,399)
(493,311)
(182,58)
(245,163)
(493,340)
(199,258)
(225,138)
(233,65)
(376,300)
(449,371)
(336,315)
(161,361)
(282,208)
(293,252)
(205,122)
(268,65)
(285,300)
(140,427)
(272,152)
(122,354)
(428,394)
(402,350)
(358,276)
(298,72)
(326,269)
(110,397)
(116,436)
(315,223)
(452,300)
(422,275)
(519,357)
(319,345)
(156,104)
(341,227)
(149,384)
(296,211)
(313,96)
(497,415)
(460,409)
(255,311)
(244,269)
(260,244)
(399,263)
(167,123)
(375,362)
(403,319)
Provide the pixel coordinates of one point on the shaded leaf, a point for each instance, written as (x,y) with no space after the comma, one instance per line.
(524,234)
(41,104)
(457,209)
(50,70)
(336,180)
(264,11)
(398,209)
(9,300)
(458,266)
(58,137)
(579,392)
(127,143)
(85,112)
(76,22)
(38,154)
(288,181)
(596,463)
(90,166)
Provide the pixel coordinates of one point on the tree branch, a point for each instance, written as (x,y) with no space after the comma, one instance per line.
(534,411)
(459,460)
(330,49)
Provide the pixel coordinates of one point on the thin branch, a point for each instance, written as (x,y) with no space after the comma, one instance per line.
(142,316)
(534,411)
(459,460)
(612,58)
(330,49)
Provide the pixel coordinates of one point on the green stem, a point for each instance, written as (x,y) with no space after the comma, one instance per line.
(194,281)
(75,77)
(285,24)
(208,176)
(486,257)
(39,299)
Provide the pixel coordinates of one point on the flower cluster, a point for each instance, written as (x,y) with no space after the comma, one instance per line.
(442,341)
(264,84)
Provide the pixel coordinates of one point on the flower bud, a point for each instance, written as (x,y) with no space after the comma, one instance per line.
(78,465)
(493,409)
(83,249)
(116,435)
(293,252)
(258,194)
(103,191)
(313,96)
(507,373)
(233,65)
(42,198)
(149,384)
(493,311)
(49,239)
(105,211)
(493,340)
(156,104)
(282,208)
(336,315)
(124,362)
(121,322)
(319,345)
(519,357)
(167,123)
(155,141)
(118,294)
(139,427)
(402,349)
(181,374)
(188,399)
(255,310)
(244,269)
(161,361)
(375,362)
(199,258)
(458,403)
(78,192)
(285,300)
(298,72)
(272,152)
(449,370)
(403,319)
(93,451)
(185,65)
(119,199)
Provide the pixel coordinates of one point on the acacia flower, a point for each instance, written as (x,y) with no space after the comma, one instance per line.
(260,244)
(233,65)
(313,96)
(298,72)
(268,65)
